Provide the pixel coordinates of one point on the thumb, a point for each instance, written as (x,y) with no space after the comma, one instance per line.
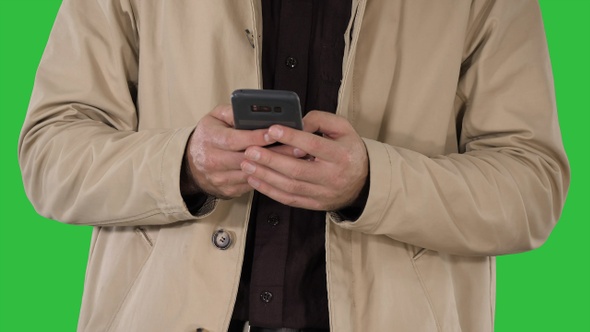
(328,124)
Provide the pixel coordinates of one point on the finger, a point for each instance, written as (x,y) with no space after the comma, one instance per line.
(329,124)
(285,182)
(220,131)
(238,140)
(224,113)
(216,134)
(233,192)
(226,184)
(315,145)
(227,179)
(287,150)
(217,162)
(283,197)
(288,166)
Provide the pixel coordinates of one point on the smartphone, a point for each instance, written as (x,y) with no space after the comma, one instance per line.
(258,109)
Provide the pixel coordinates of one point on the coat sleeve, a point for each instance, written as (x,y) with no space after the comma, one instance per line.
(504,191)
(82,158)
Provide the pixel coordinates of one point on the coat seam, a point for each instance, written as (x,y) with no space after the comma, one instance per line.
(382,214)
(329,275)
(239,263)
(427,295)
(144,235)
(359,15)
(352,277)
(141,216)
(124,300)
(162,188)
(492,291)
(240,260)
(477,26)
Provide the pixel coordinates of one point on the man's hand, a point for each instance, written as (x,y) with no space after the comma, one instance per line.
(214,153)
(329,180)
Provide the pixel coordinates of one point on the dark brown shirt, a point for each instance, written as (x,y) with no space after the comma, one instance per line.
(283,280)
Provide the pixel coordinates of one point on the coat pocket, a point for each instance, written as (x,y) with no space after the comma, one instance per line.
(118,257)
(437,284)
(419,252)
(149,234)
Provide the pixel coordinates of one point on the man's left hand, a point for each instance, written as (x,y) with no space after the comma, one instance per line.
(329,180)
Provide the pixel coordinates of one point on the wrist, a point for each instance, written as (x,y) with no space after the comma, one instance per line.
(188,185)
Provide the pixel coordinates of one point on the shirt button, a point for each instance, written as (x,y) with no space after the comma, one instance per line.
(266,297)
(221,239)
(291,62)
(273,219)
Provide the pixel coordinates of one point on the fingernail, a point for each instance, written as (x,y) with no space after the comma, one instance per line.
(252,155)
(298,153)
(268,139)
(253,182)
(248,168)
(275,132)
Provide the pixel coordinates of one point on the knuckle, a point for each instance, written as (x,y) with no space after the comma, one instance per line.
(217,109)
(208,164)
(313,115)
(340,180)
(338,184)
(297,172)
(314,143)
(327,194)
(291,201)
(220,110)
(231,192)
(204,129)
(204,163)
(292,186)
(222,140)
(200,163)
(217,180)
(265,158)
(318,206)
(345,157)
(350,157)
(230,140)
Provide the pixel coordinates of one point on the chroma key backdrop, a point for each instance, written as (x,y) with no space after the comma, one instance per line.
(43,262)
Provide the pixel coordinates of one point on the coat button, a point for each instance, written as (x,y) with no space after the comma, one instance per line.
(291,62)
(273,219)
(266,297)
(221,239)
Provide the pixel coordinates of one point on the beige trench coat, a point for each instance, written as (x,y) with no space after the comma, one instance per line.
(454,100)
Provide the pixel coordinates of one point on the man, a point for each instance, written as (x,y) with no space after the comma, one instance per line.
(444,151)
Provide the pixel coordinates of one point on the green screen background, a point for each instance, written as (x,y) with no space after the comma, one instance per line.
(43,262)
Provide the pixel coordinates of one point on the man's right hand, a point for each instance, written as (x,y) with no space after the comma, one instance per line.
(215,151)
